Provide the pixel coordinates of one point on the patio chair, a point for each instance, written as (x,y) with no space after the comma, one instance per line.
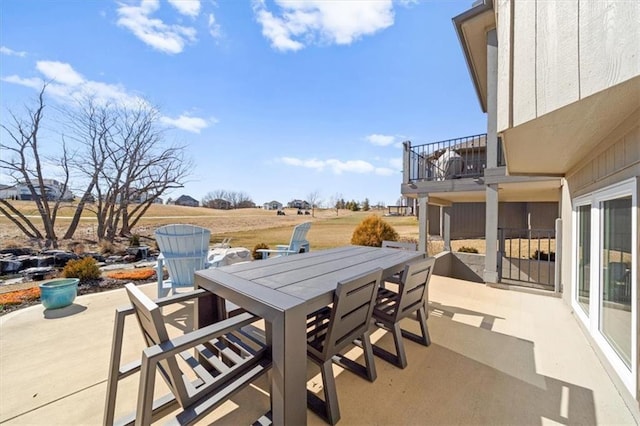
(400,246)
(184,249)
(225,361)
(392,307)
(331,329)
(298,243)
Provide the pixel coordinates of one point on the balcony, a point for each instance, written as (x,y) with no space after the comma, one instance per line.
(459,158)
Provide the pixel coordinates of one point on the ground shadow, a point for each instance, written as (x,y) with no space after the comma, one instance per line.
(468,375)
(67,311)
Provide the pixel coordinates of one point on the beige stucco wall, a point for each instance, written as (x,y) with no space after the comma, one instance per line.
(554,53)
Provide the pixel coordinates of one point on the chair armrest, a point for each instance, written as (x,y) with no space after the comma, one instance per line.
(265,252)
(187,341)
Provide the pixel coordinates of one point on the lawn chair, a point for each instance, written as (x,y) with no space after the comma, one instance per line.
(392,307)
(184,249)
(298,243)
(226,360)
(331,329)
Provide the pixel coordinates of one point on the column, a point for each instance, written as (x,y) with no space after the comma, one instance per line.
(491,199)
(491,235)
(423,222)
(446,227)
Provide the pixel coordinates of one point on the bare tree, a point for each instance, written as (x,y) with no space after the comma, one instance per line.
(210,198)
(127,166)
(336,202)
(118,156)
(313,198)
(24,163)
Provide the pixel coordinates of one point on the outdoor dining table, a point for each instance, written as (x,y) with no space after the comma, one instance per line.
(283,290)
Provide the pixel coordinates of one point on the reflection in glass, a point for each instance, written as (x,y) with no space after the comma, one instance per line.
(584,256)
(615,311)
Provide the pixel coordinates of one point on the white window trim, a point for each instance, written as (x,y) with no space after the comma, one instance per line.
(592,322)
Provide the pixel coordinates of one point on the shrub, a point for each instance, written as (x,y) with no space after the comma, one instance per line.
(85,269)
(372,231)
(257,255)
(132,275)
(465,249)
(542,255)
(134,240)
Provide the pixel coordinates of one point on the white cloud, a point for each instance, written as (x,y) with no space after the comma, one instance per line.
(10,52)
(188,123)
(320,21)
(381,140)
(61,72)
(396,163)
(68,86)
(214,27)
(152,31)
(187,7)
(338,167)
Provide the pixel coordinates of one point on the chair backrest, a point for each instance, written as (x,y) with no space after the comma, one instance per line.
(400,245)
(154,331)
(353,303)
(299,236)
(414,287)
(185,248)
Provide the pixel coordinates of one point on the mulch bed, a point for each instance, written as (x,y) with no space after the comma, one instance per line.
(87,287)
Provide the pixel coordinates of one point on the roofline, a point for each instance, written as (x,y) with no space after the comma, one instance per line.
(478,8)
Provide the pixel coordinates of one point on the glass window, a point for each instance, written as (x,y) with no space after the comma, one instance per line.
(615,275)
(584,256)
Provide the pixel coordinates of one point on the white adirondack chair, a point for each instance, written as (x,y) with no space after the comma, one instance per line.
(298,243)
(184,249)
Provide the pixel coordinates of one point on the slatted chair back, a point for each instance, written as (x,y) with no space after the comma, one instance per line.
(352,309)
(400,245)
(413,288)
(154,331)
(184,248)
(299,238)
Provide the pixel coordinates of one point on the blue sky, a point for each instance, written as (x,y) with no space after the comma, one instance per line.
(274,98)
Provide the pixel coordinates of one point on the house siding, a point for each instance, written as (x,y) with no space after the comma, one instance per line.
(557,53)
(468,219)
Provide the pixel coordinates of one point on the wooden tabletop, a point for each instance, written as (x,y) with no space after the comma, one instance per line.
(308,277)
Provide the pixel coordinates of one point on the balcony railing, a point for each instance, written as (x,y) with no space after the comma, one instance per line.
(464,157)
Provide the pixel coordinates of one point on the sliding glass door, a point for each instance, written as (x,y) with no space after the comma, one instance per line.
(604,247)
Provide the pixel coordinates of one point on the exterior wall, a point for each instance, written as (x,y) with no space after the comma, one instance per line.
(617,159)
(552,54)
(468,219)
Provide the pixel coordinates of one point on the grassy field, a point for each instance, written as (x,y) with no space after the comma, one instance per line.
(246,227)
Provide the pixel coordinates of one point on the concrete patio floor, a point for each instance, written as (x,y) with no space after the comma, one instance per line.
(497,357)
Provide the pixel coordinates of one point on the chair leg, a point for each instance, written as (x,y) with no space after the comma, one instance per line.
(397,339)
(330,393)
(400,358)
(423,339)
(368,357)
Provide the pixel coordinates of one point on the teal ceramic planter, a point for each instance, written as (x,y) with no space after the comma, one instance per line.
(59,293)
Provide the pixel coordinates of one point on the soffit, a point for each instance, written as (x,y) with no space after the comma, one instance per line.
(472,27)
(558,141)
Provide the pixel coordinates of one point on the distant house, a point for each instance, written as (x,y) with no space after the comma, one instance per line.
(273,205)
(8,192)
(53,190)
(185,200)
(299,204)
(220,204)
